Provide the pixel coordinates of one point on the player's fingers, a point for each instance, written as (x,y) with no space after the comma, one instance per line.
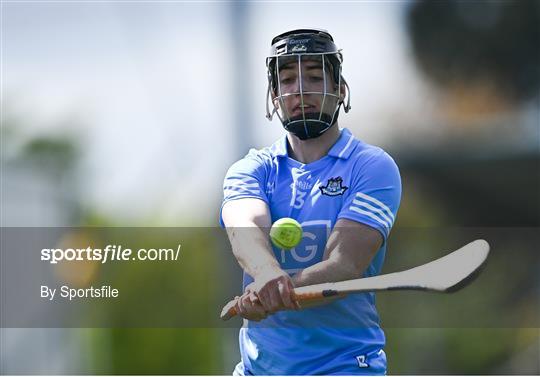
(242,308)
(285,293)
(265,299)
(256,309)
(275,300)
(239,307)
(251,308)
(236,302)
(254,299)
(294,299)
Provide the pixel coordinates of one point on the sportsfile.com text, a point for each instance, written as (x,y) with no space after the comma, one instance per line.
(115,253)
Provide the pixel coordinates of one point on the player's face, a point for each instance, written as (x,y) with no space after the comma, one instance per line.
(306,88)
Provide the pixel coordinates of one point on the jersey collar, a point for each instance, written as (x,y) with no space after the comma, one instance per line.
(343,146)
(341,149)
(280,147)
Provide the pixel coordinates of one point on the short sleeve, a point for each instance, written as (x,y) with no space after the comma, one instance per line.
(245,179)
(375,194)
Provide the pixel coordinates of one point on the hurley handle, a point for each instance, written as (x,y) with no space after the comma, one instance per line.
(229,310)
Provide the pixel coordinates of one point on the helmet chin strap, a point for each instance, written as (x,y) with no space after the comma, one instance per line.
(309,126)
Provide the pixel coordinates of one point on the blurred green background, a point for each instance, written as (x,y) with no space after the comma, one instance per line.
(119,114)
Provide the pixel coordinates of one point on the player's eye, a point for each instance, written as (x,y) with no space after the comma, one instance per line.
(287,80)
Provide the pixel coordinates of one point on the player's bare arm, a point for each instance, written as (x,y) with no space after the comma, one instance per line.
(349,251)
(247,222)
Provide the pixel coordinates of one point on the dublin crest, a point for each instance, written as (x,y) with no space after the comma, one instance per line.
(334,187)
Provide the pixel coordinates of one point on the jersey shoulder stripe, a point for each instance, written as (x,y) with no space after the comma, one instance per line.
(375,188)
(375,205)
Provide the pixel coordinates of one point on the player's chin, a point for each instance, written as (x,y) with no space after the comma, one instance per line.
(314,117)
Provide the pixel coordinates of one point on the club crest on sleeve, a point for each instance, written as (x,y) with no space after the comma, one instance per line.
(334,187)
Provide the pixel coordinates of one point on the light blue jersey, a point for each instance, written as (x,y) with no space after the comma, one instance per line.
(355,181)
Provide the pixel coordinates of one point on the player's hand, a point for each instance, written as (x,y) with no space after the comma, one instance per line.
(275,290)
(249,307)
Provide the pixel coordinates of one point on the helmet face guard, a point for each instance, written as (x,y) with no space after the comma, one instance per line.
(305,85)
